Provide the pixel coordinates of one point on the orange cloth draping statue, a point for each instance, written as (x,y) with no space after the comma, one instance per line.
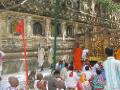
(77,63)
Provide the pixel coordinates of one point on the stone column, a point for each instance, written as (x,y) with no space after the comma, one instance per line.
(47,29)
(3,27)
(93,6)
(63,30)
(76,28)
(28,26)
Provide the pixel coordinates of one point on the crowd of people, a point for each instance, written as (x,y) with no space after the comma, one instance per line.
(104,75)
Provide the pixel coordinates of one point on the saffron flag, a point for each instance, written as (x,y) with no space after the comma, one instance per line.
(20,29)
(77,59)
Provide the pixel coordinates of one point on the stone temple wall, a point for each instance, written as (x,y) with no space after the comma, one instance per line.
(39,36)
(82,21)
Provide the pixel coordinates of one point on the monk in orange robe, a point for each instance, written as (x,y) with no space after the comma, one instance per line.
(118,54)
(77,63)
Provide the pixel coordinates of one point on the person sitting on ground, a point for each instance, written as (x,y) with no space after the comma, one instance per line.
(98,81)
(40,84)
(14,84)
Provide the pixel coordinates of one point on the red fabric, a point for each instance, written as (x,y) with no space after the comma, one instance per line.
(71,74)
(20,27)
(79,86)
(77,63)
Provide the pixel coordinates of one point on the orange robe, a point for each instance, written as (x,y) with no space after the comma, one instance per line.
(77,59)
(118,54)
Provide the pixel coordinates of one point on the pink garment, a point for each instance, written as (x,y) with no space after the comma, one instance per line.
(79,86)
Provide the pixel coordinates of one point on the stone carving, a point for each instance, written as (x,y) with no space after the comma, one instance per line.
(67,9)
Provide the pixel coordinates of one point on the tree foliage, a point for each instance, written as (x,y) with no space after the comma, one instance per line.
(110,5)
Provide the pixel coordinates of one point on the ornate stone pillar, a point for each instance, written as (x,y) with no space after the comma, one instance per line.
(47,29)
(3,26)
(3,29)
(93,6)
(76,28)
(28,26)
(63,29)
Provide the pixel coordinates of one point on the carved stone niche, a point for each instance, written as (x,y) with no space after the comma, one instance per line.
(59,29)
(38,28)
(12,23)
(69,30)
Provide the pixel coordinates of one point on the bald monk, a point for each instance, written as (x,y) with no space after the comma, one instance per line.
(77,63)
(14,83)
(40,83)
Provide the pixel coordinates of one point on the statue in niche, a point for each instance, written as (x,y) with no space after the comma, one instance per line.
(37,29)
(41,55)
(76,4)
(92,6)
(69,31)
(59,31)
(86,4)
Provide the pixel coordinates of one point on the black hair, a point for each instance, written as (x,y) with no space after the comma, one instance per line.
(98,71)
(66,64)
(71,67)
(109,51)
(56,72)
(87,68)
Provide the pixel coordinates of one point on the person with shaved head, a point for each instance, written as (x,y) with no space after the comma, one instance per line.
(40,83)
(14,83)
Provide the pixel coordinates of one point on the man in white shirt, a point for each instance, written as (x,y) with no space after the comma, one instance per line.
(112,71)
